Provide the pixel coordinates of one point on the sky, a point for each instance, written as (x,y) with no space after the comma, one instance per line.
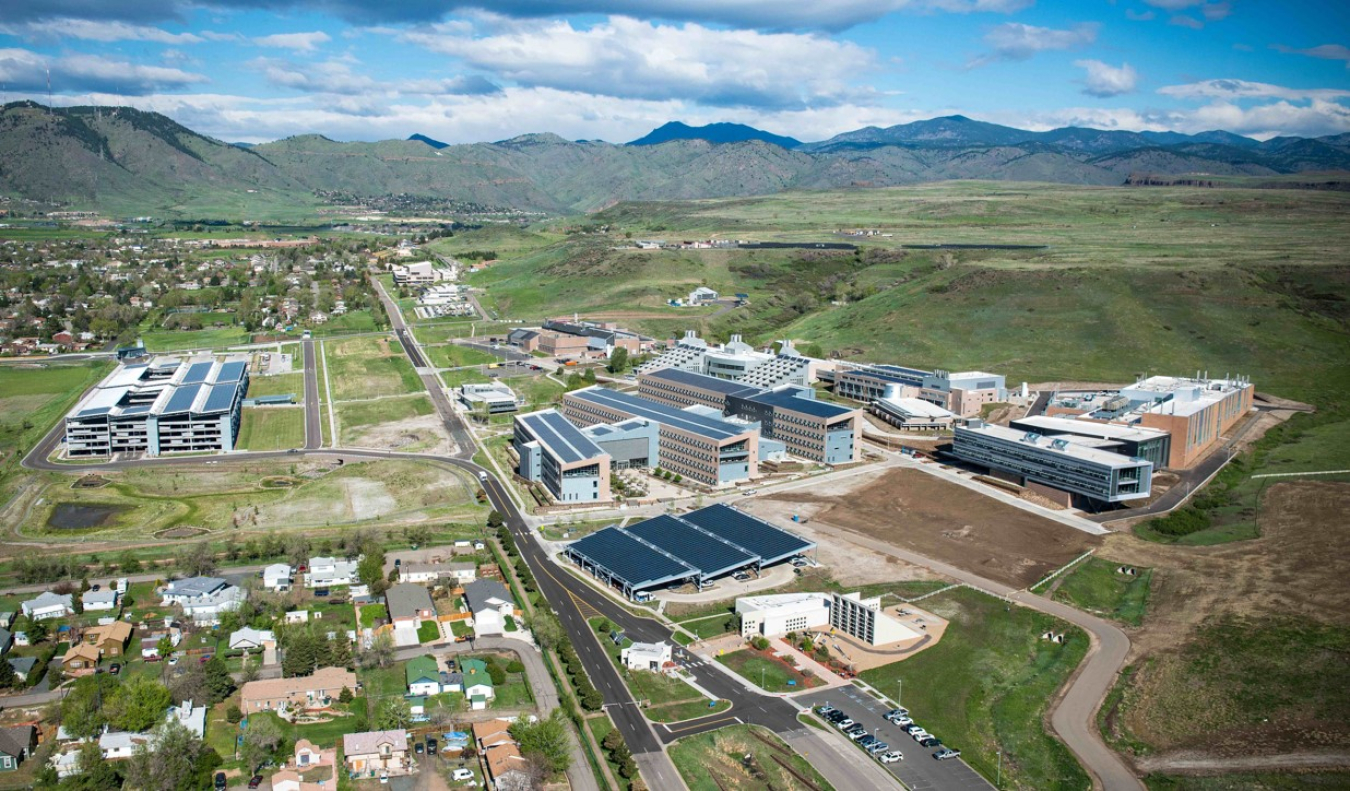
(260,70)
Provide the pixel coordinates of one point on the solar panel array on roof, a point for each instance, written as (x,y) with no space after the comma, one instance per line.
(706,553)
(182,399)
(628,559)
(222,396)
(197,372)
(770,543)
(786,399)
(102,410)
(231,372)
(138,409)
(713,428)
(702,381)
(561,437)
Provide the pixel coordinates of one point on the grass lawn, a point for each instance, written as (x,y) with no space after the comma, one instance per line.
(654,688)
(385,682)
(600,727)
(1250,782)
(371,612)
(460,628)
(176,340)
(711,626)
(281,384)
(272,428)
(351,321)
(32,398)
(715,761)
(428,632)
(685,710)
(768,674)
(1094,586)
(454,356)
(986,685)
(369,367)
(355,418)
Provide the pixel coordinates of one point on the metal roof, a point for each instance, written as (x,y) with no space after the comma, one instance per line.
(559,437)
(703,381)
(629,559)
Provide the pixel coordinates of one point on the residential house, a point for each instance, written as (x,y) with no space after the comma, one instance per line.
(300,692)
(477,683)
(194,719)
(16,745)
(150,640)
(277,577)
(375,753)
(99,600)
(248,639)
(80,660)
(327,572)
(6,641)
(7,619)
(116,745)
(456,573)
(646,656)
(296,616)
(311,769)
(491,604)
(48,605)
(23,665)
(423,676)
(203,599)
(506,767)
(409,603)
(110,639)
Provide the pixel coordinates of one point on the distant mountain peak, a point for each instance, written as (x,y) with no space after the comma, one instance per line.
(712,133)
(421,138)
(533,139)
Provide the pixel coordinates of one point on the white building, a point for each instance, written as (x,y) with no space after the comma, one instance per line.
(911,413)
(327,572)
(491,604)
(702,294)
(203,599)
(99,600)
(194,719)
(778,614)
(456,573)
(646,656)
(864,620)
(249,638)
(277,577)
(48,605)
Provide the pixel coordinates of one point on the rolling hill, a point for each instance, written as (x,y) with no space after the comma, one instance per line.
(128,161)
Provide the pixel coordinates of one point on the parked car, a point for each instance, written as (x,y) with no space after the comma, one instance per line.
(912,728)
(891,756)
(945,753)
(115,668)
(930,741)
(902,721)
(94,587)
(461,775)
(419,749)
(255,781)
(221,782)
(867,740)
(431,745)
(878,747)
(900,712)
(858,735)
(920,735)
(321,592)
(844,723)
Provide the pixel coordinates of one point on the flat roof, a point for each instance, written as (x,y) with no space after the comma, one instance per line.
(789,400)
(710,554)
(755,535)
(165,386)
(914,407)
(636,406)
(557,434)
(1089,428)
(1052,444)
(702,381)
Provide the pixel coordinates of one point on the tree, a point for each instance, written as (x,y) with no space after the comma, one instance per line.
(8,679)
(371,568)
(128,563)
(37,631)
(546,740)
(546,629)
(138,705)
(164,647)
(381,652)
(261,739)
(589,376)
(95,774)
(345,696)
(82,710)
(494,519)
(219,683)
(174,759)
(199,560)
(496,673)
(618,360)
(592,700)
(392,714)
(233,715)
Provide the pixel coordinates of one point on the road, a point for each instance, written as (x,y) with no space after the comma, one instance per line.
(313,424)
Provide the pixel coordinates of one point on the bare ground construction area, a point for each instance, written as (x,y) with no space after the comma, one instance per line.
(916,511)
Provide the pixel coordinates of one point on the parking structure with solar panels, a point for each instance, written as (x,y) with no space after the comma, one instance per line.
(697,547)
(166,405)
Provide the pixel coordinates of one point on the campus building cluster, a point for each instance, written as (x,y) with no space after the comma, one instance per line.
(577,338)
(736,360)
(166,405)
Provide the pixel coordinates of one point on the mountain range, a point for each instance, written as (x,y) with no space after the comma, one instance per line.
(125,159)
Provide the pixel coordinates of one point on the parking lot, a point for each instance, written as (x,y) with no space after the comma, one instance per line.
(919,771)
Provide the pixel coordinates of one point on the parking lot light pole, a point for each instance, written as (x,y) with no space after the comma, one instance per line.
(899,688)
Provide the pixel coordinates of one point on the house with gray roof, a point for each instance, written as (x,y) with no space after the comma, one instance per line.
(492,605)
(409,603)
(16,744)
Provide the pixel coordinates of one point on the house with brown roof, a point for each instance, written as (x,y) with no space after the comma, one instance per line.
(110,640)
(376,753)
(506,767)
(297,693)
(311,769)
(80,660)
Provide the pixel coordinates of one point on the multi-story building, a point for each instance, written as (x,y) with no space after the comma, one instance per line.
(1195,412)
(555,453)
(496,397)
(864,620)
(325,572)
(778,614)
(1067,464)
(164,406)
(810,428)
(736,360)
(964,393)
(702,448)
(1134,441)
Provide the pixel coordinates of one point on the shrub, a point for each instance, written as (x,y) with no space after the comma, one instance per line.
(233,715)
(1181,522)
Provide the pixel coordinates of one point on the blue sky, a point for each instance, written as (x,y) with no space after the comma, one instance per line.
(256,70)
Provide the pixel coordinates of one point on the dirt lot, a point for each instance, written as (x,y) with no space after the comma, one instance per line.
(423,434)
(848,564)
(941,520)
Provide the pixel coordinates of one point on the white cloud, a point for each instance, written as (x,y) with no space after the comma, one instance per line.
(1016,41)
(303,42)
(1139,16)
(1103,80)
(25,70)
(96,31)
(977,6)
(1181,20)
(1243,89)
(1325,52)
(630,58)
(336,77)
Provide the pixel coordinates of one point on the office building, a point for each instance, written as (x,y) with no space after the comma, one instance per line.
(864,620)
(911,414)
(1135,441)
(495,398)
(164,406)
(555,453)
(777,614)
(1195,412)
(964,393)
(1067,464)
(736,360)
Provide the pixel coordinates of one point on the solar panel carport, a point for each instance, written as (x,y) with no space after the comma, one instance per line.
(700,546)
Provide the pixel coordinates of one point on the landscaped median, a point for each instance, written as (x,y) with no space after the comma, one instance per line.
(768,671)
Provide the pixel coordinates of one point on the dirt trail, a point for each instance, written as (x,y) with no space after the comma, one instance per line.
(1190,762)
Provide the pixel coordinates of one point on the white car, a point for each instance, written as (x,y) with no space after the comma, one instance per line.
(461,774)
(891,757)
(919,734)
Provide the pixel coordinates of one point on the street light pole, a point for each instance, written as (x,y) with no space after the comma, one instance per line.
(899,689)
(998,782)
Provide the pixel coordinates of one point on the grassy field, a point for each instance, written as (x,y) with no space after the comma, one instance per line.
(356,418)
(176,340)
(985,686)
(352,321)
(1094,586)
(767,674)
(280,384)
(272,428)
(369,368)
(714,761)
(451,355)
(1251,782)
(32,398)
(263,496)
